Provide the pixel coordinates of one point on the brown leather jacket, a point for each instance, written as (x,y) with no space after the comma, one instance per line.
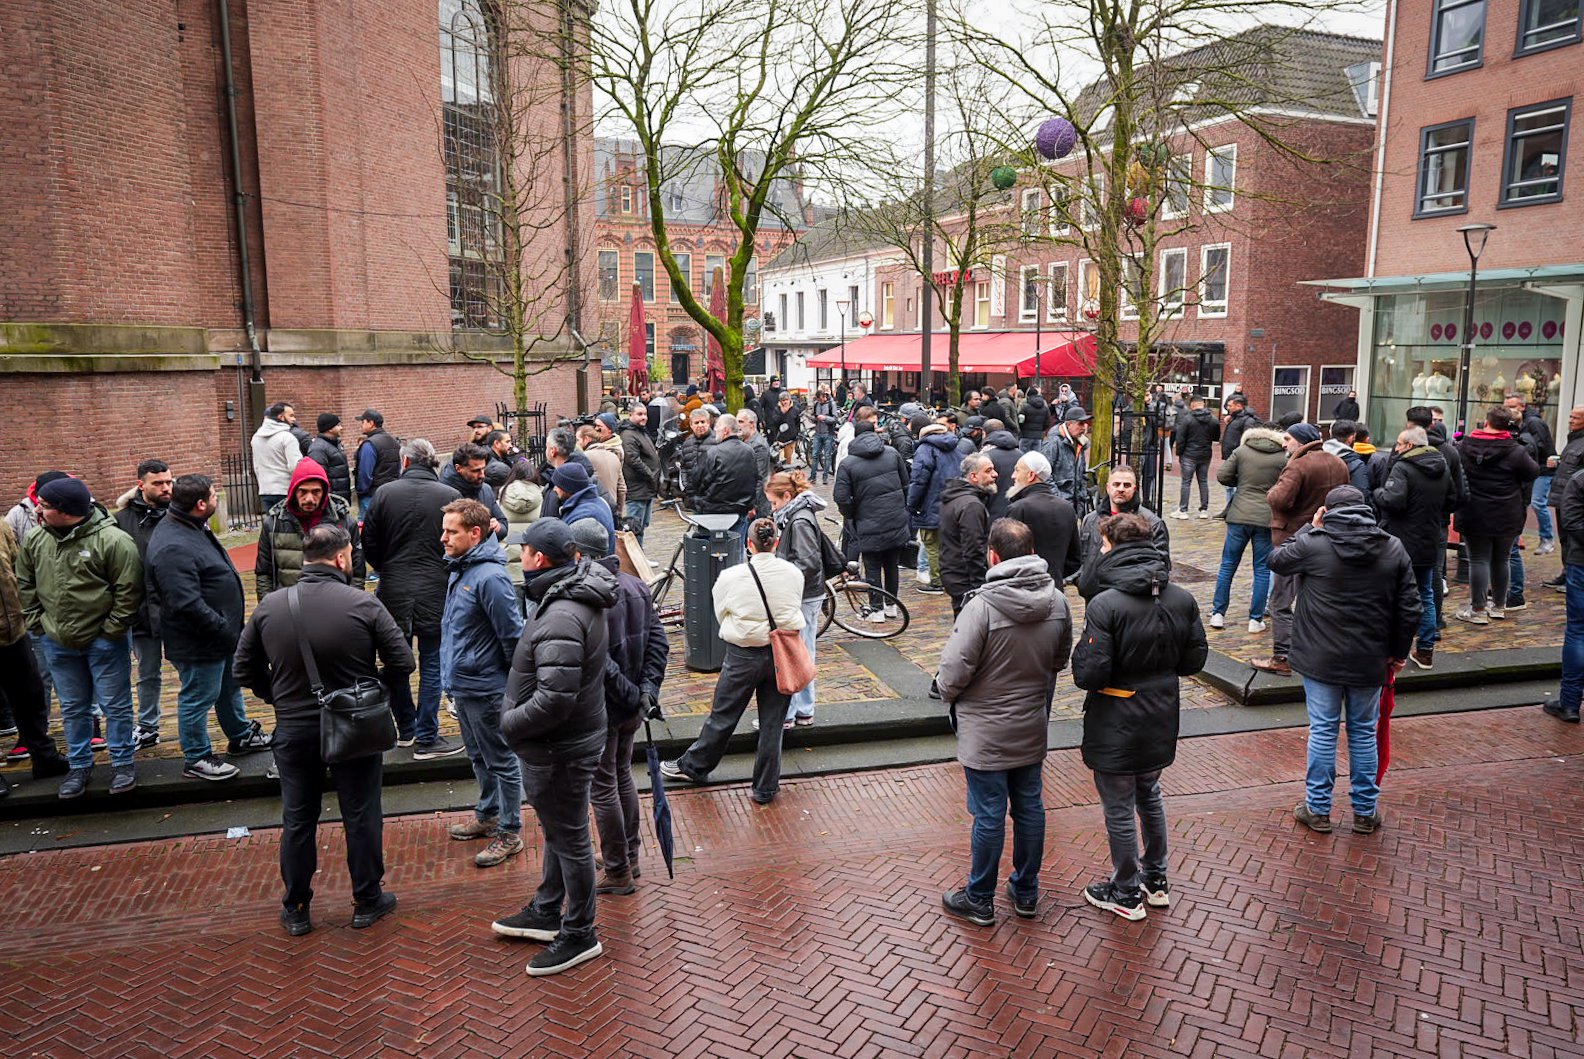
(12,625)
(1310,474)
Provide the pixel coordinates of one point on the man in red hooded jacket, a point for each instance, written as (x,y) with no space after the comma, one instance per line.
(308,502)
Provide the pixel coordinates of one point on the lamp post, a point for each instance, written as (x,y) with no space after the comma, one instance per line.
(841,315)
(1474,237)
(1039,291)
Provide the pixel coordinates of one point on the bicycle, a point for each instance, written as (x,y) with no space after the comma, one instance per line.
(848,604)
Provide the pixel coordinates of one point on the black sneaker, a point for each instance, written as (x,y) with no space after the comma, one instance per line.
(1024,909)
(932,590)
(1556,710)
(16,754)
(1157,891)
(250,741)
(367,915)
(959,904)
(1368,825)
(564,954)
(294,919)
(123,778)
(48,767)
(1105,895)
(76,783)
(1520,604)
(529,923)
(436,748)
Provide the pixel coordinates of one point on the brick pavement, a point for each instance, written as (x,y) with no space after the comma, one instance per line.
(812,928)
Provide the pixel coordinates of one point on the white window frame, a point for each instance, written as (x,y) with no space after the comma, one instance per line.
(998,271)
(1308,386)
(1172,298)
(626,198)
(684,262)
(982,298)
(1029,220)
(1086,268)
(1060,224)
(802,311)
(599,274)
(1132,272)
(648,295)
(887,306)
(1179,174)
(1056,292)
(1214,310)
(1094,197)
(783,318)
(1229,151)
(1028,312)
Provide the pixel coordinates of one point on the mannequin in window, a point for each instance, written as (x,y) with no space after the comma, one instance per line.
(1438,387)
(1419,387)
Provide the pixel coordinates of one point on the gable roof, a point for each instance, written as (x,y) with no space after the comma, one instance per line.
(689,191)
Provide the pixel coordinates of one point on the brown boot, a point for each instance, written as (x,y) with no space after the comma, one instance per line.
(1276,664)
(620,883)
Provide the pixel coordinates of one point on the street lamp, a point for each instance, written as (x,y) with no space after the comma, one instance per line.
(841,314)
(1474,237)
(1039,290)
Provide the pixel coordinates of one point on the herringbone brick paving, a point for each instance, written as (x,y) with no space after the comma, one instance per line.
(813,928)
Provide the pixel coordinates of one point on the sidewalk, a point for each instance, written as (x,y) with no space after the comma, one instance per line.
(812,928)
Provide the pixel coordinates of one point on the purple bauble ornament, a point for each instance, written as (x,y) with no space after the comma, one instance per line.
(1056,138)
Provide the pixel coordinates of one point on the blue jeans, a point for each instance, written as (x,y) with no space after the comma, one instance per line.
(1540,500)
(1429,579)
(823,456)
(1573,639)
(1515,578)
(988,796)
(1239,537)
(802,704)
(423,725)
(205,685)
(100,672)
(638,512)
(149,653)
(497,769)
(1327,704)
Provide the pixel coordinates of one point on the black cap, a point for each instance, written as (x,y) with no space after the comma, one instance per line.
(373,416)
(1076,415)
(483,420)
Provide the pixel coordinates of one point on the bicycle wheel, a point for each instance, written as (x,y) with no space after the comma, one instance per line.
(851,609)
(667,596)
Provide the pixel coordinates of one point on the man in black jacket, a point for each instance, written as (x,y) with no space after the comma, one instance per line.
(1034,503)
(1534,434)
(1569,460)
(197,594)
(1003,449)
(1195,434)
(691,449)
(326,451)
(465,474)
(1425,417)
(145,507)
(555,720)
(633,673)
(640,468)
(726,477)
(965,528)
(1412,503)
(1570,524)
(1347,408)
(351,635)
(1034,419)
(1239,418)
(1351,575)
(401,540)
(871,492)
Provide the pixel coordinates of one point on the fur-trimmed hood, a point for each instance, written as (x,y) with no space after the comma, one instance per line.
(1269,440)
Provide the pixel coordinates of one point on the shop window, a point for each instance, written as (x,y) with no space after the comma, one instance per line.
(1536,149)
(1444,168)
(1336,383)
(1290,391)
(1457,35)
(1547,24)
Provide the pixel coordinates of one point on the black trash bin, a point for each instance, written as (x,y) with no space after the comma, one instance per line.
(709,549)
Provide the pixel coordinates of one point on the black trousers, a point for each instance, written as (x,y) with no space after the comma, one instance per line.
(357,787)
(23,691)
(559,794)
(880,568)
(746,673)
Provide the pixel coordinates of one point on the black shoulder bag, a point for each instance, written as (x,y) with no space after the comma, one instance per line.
(354,722)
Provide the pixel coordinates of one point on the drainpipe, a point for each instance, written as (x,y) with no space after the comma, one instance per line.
(1381,120)
(569,146)
(255,403)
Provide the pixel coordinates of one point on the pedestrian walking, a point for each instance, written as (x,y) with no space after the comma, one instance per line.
(1052,520)
(1195,434)
(1248,472)
(1350,575)
(309,501)
(555,721)
(936,463)
(143,508)
(965,529)
(80,582)
(1570,526)
(1033,420)
(275,453)
(478,633)
(1499,474)
(1121,498)
(21,689)
(803,544)
(827,415)
(640,469)
(354,640)
(997,674)
(747,596)
(1411,505)
(1141,636)
(782,426)
(871,492)
(379,460)
(326,451)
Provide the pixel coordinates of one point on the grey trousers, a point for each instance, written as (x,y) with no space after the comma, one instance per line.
(747,673)
(1279,605)
(146,650)
(616,800)
(559,794)
(1123,796)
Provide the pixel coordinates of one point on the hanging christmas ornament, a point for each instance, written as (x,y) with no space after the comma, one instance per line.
(1056,138)
(1003,177)
(1153,154)
(1138,210)
(1138,177)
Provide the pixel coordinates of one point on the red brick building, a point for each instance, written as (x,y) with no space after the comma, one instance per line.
(1476,110)
(122,301)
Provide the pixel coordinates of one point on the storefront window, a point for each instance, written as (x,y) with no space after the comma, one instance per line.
(1290,391)
(1418,348)
(1335,384)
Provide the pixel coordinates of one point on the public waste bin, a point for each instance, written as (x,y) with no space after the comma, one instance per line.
(709,549)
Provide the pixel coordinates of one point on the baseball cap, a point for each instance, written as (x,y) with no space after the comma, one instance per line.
(1076,414)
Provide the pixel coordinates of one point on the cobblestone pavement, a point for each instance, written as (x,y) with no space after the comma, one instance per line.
(813,928)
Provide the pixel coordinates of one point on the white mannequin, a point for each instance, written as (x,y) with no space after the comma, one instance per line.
(1438,387)
(1498,386)
(1419,387)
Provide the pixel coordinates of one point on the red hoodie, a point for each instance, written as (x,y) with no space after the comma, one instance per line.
(307,471)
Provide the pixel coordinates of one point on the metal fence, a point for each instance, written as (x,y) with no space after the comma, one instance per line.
(1143,441)
(528,427)
(240,492)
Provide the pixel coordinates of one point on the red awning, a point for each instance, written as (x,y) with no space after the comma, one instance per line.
(1068,353)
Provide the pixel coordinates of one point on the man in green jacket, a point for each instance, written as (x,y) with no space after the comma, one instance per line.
(81,582)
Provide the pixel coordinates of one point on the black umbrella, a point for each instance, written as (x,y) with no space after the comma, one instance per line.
(662,808)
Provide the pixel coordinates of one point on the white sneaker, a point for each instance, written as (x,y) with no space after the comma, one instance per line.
(878,616)
(892,612)
(1499,613)
(1179,514)
(1473,617)
(1546,548)
(1255,625)
(1205,513)
(210,768)
(1217,621)
(921,577)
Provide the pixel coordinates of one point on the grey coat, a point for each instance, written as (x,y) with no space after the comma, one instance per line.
(1253,468)
(998,668)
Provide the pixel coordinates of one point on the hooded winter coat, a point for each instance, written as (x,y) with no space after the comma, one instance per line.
(1238,424)
(280,546)
(587,503)
(871,489)
(798,524)
(1534,434)
(1358,602)
(936,461)
(401,538)
(137,518)
(1089,540)
(521,501)
(964,534)
(1499,474)
(639,648)
(1310,474)
(81,583)
(23,518)
(13,626)
(275,455)
(1034,418)
(1141,635)
(1004,452)
(1458,480)
(1054,524)
(480,624)
(1196,435)
(328,453)
(196,590)
(1412,503)
(554,709)
(998,668)
(1357,466)
(1252,469)
(640,462)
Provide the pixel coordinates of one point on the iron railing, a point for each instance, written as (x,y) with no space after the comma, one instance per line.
(240,490)
(529,427)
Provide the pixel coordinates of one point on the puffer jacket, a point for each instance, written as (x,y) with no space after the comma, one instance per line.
(998,668)
(1089,541)
(328,453)
(871,491)
(196,589)
(587,503)
(964,533)
(690,456)
(275,455)
(1238,424)
(82,583)
(798,523)
(1570,517)
(481,491)
(13,626)
(1034,418)
(640,462)
(1141,635)
(1301,488)
(520,500)
(554,709)
(480,624)
(740,608)
(1499,474)
(280,547)
(1055,527)
(1196,435)
(639,648)
(1004,452)
(1358,602)
(401,538)
(936,461)
(1252,469)
(137,517)
(1412,503)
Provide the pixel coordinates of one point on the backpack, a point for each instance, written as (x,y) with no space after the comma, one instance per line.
(831,562)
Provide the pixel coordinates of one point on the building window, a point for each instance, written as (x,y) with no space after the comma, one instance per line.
(751,282)
(981,304)
(1215,264)
(609,275)
(1056,307)
(1457,35)
(684,266)
(1029,293)
(680,368)
(1060,222)
(1220,178)
(1093,201)
(643,273)
(1444,167)
(1289,391)
(1031,212)
(1088,290)
(1132,286)
(472,164)
(802,320)
(711,263)
(1536,147)
(626,198)
(998,278)
(649,342)
(887,305)
(785,320)
(1173,281)
(1179,183)
(822,308)
(1547,23)
(853,308)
